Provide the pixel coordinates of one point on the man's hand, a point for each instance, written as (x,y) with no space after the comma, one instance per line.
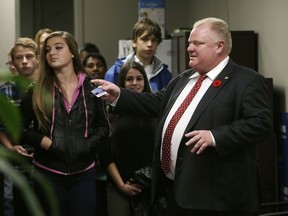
(113,91)
(201,140)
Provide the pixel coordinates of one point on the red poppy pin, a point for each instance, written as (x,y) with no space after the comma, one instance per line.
(216,83)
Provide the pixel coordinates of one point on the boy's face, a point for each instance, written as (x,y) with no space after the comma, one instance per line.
(145,46)
(95,68)
(25,61)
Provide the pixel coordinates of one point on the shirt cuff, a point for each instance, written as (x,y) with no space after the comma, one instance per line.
(213,140)
(114,103)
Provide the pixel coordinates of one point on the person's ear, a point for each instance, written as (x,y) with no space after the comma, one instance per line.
(220,46)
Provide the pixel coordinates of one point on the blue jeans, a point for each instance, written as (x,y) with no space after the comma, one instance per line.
(8,196)
(76,194)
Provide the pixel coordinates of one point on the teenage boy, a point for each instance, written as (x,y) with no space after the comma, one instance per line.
(146,36)
(24,57)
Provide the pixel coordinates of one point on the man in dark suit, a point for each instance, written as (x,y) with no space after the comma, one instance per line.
(213,168)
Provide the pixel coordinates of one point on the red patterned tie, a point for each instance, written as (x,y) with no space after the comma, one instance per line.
(166,146)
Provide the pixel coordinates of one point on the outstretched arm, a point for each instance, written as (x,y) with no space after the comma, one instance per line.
(113,91)
(130,102)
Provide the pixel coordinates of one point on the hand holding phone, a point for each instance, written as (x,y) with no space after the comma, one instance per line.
(98,92)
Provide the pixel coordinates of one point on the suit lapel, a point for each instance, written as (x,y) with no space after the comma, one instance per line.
(210,94)
(177,90)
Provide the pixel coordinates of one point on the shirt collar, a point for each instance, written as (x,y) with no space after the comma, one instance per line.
(136,59)
(212,74)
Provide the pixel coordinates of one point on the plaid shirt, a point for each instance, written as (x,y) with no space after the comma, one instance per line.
(11,91)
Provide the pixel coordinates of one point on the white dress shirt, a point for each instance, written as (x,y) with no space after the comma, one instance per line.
(184,120)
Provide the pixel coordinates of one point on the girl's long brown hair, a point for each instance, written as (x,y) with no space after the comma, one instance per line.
(43,91)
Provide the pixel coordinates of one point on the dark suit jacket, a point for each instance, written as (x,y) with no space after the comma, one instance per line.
(238,113)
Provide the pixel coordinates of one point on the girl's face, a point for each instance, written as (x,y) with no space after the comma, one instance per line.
(58,54)
(95,68)
(134,80)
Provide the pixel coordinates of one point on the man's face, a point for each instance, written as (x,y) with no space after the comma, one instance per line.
(203,49)
(25,60)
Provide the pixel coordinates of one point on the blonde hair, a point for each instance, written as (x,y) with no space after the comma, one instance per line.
(25,42)
(39,33)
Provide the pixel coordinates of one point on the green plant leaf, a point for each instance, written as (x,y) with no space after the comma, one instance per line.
(5,75)
(22,183)
(10,116)
(22,83)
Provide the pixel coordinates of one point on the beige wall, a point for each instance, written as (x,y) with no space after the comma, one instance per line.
(9,28)
(105,22)
(110,23)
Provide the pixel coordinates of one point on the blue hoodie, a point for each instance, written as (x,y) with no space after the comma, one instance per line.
(160,78)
